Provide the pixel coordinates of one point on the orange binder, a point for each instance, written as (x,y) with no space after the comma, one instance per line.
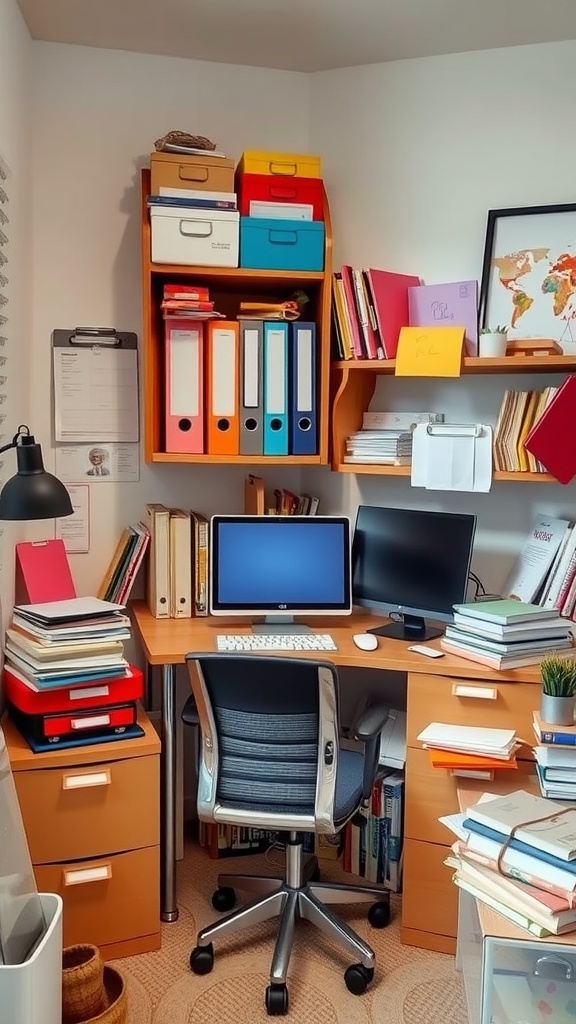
(552,439)
(184,376)
(222,391)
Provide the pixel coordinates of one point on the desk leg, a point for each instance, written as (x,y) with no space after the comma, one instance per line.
(168,906)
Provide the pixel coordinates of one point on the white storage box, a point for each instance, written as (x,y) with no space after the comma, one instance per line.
(197,238)
(31,992)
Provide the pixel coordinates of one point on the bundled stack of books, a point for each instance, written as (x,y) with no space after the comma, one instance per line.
(66,679)
(506,634)
(526,872)
(386,437)
(555,759)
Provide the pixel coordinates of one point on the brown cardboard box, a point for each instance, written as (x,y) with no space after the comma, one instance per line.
(176,170)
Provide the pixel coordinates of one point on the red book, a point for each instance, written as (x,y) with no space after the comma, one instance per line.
(390,298)
(552,439)
(196,292)
(180,304)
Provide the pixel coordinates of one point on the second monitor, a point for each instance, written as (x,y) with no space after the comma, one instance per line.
(413,563)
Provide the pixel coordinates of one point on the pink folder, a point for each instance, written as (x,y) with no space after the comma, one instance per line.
(43,572)
(184,372)
(390,298)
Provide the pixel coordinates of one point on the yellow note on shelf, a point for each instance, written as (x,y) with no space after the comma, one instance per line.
(430,351)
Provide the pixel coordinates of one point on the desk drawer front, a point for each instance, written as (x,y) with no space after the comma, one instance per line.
(92,809)
(430,901)
(106,900)
(467,702)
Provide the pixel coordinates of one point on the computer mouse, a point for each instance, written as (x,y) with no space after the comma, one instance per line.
(365,641)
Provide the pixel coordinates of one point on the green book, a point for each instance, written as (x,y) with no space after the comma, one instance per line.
(505,611)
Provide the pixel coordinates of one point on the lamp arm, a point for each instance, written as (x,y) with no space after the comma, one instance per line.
(22,431)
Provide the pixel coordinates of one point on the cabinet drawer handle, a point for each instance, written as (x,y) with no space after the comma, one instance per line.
(81,876)
(86,780)
(480,692)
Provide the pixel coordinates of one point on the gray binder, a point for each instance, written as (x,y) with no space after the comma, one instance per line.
(251,387)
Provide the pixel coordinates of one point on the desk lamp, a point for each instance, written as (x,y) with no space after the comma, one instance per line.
(32,493)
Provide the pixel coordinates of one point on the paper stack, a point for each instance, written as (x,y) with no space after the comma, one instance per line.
(385,447)
(468,751)
(506,634)
(67,680)
(526,872)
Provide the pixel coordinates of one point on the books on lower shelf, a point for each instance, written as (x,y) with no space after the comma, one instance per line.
(374,850)
(506,634)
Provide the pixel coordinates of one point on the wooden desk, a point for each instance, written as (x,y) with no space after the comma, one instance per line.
(167,641)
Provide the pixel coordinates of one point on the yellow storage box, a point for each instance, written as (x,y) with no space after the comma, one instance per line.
(288,165)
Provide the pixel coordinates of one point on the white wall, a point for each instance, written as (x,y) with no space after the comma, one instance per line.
(15,121)
(96,116)
(415,153)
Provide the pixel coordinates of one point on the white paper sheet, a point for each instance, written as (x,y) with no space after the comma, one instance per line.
(74,530)
(98,463)
(95,394)
(447,460)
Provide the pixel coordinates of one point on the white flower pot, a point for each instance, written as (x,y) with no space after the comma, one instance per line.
(492,345)
(556,710)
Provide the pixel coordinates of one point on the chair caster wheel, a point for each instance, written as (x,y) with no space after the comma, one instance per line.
(379,914)
(357,978)
(202,959)
(224,898)
(276,1000)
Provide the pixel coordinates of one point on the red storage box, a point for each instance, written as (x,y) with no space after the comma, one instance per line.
(269,188)
(99,694)
(52,727)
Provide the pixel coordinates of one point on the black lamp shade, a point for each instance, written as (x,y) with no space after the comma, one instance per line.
(33,493)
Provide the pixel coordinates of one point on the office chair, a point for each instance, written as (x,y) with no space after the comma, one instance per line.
(270,758)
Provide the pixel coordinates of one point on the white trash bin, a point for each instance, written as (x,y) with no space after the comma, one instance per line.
(31,992)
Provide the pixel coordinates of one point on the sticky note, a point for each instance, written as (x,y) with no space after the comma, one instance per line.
(429,351)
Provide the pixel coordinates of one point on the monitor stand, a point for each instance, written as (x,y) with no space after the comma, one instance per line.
(279,624)
(411,627)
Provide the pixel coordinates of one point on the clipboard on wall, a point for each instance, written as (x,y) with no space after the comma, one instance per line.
(95,379)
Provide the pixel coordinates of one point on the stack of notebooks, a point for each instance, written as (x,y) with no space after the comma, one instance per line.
(555,759)
(529,877)
(469,751)
(66,680)
(383,447)
(506,634)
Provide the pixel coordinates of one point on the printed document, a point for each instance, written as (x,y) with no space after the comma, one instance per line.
(95,393)
(448,457)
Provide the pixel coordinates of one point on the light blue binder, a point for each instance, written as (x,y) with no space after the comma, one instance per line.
(303,428)
(275,388)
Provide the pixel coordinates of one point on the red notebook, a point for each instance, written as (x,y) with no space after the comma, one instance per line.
(43,572)
(390,299)
(552,439)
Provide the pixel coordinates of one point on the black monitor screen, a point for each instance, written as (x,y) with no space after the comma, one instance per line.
(413,563)
(266,564)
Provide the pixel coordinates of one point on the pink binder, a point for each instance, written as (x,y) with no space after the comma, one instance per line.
(43,572)
(184,366)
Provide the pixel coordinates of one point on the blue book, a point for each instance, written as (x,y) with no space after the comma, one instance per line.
(517,844)
(198,204)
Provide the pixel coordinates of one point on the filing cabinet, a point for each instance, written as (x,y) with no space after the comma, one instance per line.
(92,821)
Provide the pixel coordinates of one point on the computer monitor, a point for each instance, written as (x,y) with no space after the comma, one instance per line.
(279,567)
(412,563)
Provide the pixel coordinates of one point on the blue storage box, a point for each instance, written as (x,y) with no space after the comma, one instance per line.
(271,244)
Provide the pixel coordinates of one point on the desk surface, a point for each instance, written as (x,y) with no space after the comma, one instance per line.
(167,641)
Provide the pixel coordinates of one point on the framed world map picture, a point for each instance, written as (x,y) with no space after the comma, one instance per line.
(529,273)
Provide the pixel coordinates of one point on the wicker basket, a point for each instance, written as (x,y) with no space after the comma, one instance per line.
(83,992)
(116,997)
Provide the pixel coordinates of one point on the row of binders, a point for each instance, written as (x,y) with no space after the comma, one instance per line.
(240,388)
(177,571)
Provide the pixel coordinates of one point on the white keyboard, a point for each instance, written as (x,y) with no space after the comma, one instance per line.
(275,642)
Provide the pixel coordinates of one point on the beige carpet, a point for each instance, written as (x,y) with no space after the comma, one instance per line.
(410,986)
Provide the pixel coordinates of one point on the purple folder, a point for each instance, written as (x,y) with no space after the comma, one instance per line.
(447,305)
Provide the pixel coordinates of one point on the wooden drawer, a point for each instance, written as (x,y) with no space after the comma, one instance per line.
(456,701)
(121,902)
(430,898)
(431,792)
(92,809)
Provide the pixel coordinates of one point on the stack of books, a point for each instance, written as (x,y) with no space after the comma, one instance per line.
(506,634)
(555,759)
(122,570)
(530,879)
(66,679)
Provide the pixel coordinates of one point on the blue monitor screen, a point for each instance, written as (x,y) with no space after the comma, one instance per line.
(262,564)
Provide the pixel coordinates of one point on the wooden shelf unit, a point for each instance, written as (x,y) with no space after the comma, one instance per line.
(354,381)
(228,287)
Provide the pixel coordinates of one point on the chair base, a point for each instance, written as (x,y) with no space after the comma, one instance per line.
(296,897)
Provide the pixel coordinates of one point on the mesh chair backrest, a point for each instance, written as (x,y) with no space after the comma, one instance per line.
(266,712)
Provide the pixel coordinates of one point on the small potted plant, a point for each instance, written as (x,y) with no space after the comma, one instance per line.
(493,341)
(558,677)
